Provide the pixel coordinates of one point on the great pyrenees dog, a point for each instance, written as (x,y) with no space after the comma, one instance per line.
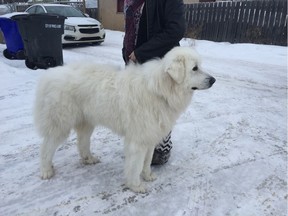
(140,103)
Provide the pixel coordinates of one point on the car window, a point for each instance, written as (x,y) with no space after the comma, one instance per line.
(32,10)
(39,10)
(64,11)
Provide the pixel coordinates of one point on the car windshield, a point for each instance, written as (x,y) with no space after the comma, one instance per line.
(64,11)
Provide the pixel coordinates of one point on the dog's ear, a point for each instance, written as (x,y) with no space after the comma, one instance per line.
(176,69)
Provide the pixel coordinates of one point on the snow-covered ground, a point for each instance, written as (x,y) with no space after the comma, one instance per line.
(230,147)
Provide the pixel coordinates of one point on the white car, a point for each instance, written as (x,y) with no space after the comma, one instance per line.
(78,28)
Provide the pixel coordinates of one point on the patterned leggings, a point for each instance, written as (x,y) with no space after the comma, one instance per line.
(162,151)
(165,145)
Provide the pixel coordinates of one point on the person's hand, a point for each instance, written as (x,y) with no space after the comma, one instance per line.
(132,57)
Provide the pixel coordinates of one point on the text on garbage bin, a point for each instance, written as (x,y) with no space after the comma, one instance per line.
(56,26)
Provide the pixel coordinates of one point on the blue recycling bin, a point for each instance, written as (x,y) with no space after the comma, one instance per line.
(13,39)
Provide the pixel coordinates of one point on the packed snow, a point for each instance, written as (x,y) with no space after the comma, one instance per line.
(230,146)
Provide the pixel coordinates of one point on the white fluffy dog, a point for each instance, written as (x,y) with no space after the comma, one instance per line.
(140,103)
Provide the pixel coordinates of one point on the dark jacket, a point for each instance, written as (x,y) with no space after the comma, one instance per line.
(165,23)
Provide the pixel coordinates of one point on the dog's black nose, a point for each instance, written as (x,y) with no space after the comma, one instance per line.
(212,80)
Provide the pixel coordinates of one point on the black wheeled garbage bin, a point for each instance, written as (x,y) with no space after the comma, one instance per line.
(41,34)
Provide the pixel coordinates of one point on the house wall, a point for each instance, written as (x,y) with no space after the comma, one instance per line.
(113,20)
(109,16)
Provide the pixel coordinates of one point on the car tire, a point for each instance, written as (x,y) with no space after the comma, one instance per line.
(97,43)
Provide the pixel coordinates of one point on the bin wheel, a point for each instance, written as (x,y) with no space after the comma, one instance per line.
(50,62)
(20,54)
(7,54)
(30,65)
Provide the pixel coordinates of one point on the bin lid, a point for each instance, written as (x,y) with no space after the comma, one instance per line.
(10,15)
(42,16)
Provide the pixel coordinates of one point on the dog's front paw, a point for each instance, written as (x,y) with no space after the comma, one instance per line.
(47,173)
(137,189)
(90,160)
(149,177)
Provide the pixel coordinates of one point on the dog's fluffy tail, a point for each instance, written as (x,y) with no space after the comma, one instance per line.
(52,111)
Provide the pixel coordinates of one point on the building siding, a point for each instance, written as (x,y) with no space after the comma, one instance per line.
(108,15)
(111,19)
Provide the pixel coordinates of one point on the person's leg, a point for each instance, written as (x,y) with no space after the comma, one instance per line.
(162,151)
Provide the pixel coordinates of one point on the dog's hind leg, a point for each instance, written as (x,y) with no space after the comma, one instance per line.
(84,132)
(134,161)
(47,152)
(146,173)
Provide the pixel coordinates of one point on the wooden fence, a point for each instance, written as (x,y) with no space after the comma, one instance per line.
(92,12)
(263,22)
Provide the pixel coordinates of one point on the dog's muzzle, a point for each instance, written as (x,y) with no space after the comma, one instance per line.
(209,81)
(212,80)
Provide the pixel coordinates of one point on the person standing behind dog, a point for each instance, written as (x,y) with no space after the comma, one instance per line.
(152,28)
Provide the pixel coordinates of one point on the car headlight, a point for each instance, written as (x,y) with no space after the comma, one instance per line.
(69,28)
(101,26)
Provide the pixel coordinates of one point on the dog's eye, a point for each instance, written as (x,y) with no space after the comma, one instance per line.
(195,68)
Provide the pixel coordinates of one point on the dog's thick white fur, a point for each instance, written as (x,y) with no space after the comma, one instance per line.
(140,103)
